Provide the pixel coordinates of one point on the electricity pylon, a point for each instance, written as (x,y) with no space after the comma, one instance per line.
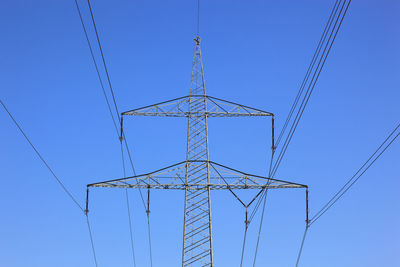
(197,175)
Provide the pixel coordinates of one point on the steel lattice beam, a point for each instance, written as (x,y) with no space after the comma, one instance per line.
(179,107)
(221,177)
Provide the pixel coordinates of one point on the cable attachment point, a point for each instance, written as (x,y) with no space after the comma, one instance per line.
(246,221)
(86,211)
(307,210)
(148,201)
(273,147)
(121,136)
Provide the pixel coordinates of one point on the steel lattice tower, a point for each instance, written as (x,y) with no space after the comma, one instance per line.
(197,175)
(197,235)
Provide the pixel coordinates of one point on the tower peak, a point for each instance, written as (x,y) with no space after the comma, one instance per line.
(197,40)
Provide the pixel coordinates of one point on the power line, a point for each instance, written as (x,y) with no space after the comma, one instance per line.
(310,67)
(260,226)
(122,137)
(113,95)
(357,175)
(103,90)
(311,86)
(91,240)
(109,82)
(302,245)
(115,126)
(306,97)
(133,167)
(300,111)
(55,177)
(128,209)
(96,66)
(42,159)
(263,192)
(149,236)
(253,213)
(309,91)
(371,160)
(104,61)
(243,244)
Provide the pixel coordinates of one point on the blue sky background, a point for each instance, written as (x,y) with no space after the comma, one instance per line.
(255,53)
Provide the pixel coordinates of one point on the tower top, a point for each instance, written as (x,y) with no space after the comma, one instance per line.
(197,40)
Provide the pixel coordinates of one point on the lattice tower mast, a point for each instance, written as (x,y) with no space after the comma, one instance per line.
(197,234)
(197,175)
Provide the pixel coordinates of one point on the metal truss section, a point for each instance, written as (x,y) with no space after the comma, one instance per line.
(197,247)
(221,177)
(197,175)
(179,107)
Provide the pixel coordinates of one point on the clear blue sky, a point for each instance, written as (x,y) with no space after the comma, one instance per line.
(255,53)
